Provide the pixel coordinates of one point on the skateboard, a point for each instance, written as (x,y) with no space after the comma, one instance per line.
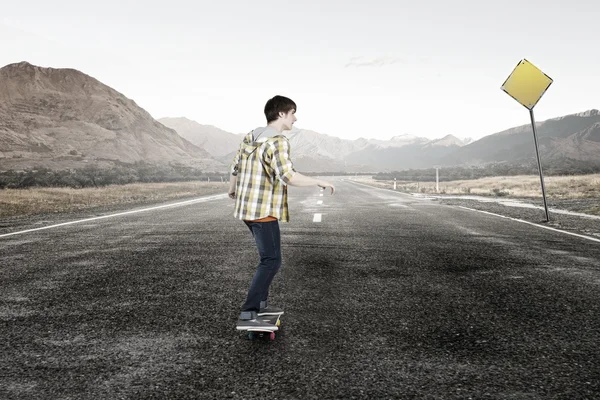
(257,333)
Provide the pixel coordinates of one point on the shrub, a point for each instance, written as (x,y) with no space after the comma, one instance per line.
(500,192)
(94,176)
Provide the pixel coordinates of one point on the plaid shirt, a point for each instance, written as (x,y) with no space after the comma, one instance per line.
(263,172)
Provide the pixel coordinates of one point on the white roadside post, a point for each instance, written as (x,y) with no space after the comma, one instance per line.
(394,183)
(527,84)
(437,179)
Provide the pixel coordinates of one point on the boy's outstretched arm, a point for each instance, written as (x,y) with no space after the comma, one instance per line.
(302,180)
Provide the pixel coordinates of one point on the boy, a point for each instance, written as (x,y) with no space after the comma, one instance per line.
(260,173)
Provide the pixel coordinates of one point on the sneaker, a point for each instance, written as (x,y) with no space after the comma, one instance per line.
(256,324)
(270,310)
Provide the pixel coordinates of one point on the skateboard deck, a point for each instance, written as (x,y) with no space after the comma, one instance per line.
(255,333)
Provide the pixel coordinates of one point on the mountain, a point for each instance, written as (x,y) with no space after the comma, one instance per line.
(367,155)
(215,141)
(404,152)
(569,139)
(305,142)
(446,141)
(572,137)
(317,152)
(320,152)
(581,146)
(313,151)
(63,118)
(400,141)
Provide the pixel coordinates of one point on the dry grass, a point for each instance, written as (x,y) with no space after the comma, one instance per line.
(14,202)
(558,187)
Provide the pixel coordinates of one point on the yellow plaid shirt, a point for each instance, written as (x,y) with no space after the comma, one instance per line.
(263,172)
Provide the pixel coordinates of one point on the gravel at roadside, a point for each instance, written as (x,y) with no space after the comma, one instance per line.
(572,215)
(522,209)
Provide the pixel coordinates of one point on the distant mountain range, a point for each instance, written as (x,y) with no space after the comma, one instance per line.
(573,137)
(313,151)
(62,118)
(215,141)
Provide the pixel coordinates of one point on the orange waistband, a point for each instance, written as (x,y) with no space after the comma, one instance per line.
(265,219)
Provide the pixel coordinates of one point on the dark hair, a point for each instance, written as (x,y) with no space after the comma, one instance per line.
(276,105)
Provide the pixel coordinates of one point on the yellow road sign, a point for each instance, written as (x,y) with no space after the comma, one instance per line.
(527,84)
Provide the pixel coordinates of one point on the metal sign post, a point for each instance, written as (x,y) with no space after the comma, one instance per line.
(537,153)
(527,84)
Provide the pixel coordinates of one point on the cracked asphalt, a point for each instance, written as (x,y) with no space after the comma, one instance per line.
(388,297)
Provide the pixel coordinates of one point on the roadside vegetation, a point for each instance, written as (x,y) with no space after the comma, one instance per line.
(41,200)
(40,191)
(580,193)
(563,187)
(96,177)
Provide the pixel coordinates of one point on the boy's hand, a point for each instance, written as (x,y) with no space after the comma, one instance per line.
(232,186)
(325,184)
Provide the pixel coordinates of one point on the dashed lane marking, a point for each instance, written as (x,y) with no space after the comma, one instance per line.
(317,218)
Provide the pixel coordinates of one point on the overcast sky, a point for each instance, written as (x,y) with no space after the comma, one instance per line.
(370,69)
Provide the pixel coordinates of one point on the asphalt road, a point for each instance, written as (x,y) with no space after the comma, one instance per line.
(387,297)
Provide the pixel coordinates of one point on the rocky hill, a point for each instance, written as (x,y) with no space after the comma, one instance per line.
(63,118)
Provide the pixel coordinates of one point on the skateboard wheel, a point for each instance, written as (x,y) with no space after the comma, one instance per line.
(278,323)
(251,335)
(272,336)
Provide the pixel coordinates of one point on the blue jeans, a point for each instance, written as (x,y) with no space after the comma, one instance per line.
(268,242)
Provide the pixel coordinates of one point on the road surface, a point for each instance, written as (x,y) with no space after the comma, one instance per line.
(386,296)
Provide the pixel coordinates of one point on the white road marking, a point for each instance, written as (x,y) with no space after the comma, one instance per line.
(320,202)
(321,195)
(534,224)
(183,203)
(317,218)
(510,203)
